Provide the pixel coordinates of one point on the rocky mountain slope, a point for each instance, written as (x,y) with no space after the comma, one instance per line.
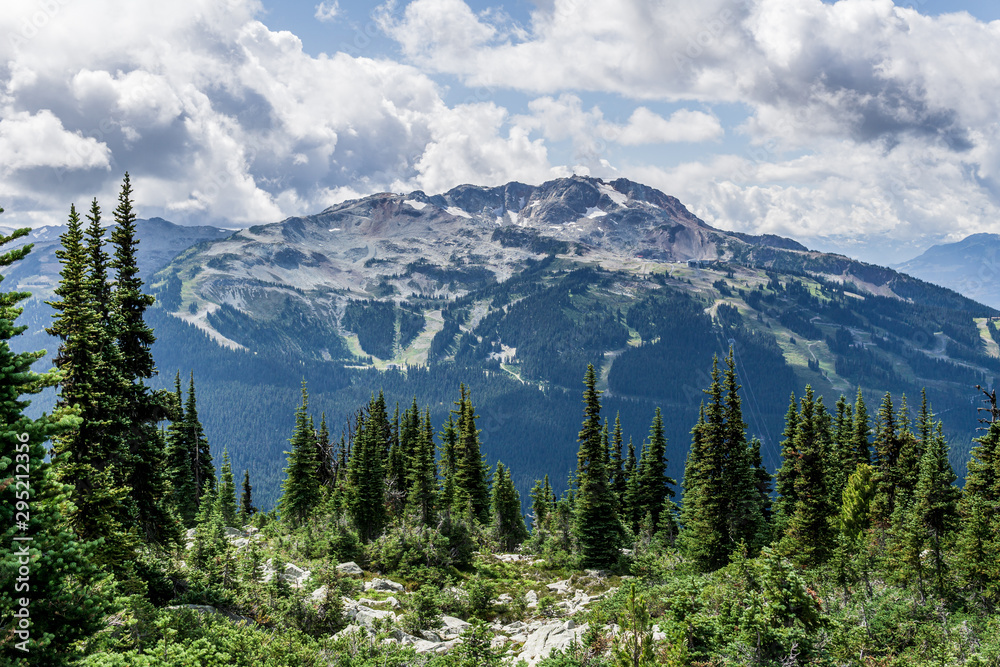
(970,267)
(513,290)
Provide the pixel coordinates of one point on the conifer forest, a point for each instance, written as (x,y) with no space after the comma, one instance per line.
(130,539)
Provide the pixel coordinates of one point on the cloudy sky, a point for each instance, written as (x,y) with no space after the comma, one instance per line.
(861,126)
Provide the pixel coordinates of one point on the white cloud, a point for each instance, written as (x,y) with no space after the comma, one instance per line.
(843,98)
(31,141)
(327,11)
(219,118)
(861,118)
(646,127)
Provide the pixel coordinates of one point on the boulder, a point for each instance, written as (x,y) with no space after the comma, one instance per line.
(562,587)
(351,569)
(366,616)
(553,635)
(383,585)
(452,627)
(293,574)
(234,533)
(349,630)
(531,597)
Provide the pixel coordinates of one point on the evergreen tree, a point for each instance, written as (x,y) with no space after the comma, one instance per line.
(630,507)
(325,461)
(541,502)
(505,508)
(97,260)
(449,461)
(227,492)
(617,463)
(842,458)
(979,540)
(934,508)
(596,523)
(422,482)
(808,539)
(745,505)
(68,601)
(90,457)
(887,448)
(366,470)
(784,505)
(471,482)
(300,489)
(396,469)
(654,485)
(198,446)
(178,462)
(724,507)
(246,500)
(691,482)
(862,430)
(140,408)
(762,482)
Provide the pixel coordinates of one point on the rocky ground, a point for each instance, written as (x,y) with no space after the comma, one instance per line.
(551,613)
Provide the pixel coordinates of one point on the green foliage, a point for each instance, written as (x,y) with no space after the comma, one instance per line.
(423,610)
(227,492)
(633,647)
(54,571)
(300,491)
(507,524)
(596,521)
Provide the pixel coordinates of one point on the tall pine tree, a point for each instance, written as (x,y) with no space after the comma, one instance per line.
(596,522)
(300,491)
(67,601)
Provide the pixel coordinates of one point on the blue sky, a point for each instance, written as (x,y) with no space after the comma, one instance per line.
(857,126)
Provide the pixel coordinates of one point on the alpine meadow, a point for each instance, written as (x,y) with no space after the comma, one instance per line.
(443,333)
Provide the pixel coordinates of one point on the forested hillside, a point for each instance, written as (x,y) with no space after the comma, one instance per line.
(135,547)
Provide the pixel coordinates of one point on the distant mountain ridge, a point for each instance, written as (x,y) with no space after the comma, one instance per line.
(513,290)
(970,266)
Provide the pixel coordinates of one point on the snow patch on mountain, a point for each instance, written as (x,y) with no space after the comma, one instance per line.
(612,194)
(456,211)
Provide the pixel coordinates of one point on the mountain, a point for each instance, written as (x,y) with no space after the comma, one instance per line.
(38,273)
(970,267)
(513,290)
(160,242)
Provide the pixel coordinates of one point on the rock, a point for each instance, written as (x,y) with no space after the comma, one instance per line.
(293,574)
(430,636)
(234,533)
(451,626)
(366,616)
(438,648)
(351,569)
(512,558)
(531,597)
(597,574)
(499,641)
(250,530)
(368,602)
(349,630)
(383,585)
(514,628)
(318,595)
(553,635)
(562,587)
(189,534)
(504,598)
